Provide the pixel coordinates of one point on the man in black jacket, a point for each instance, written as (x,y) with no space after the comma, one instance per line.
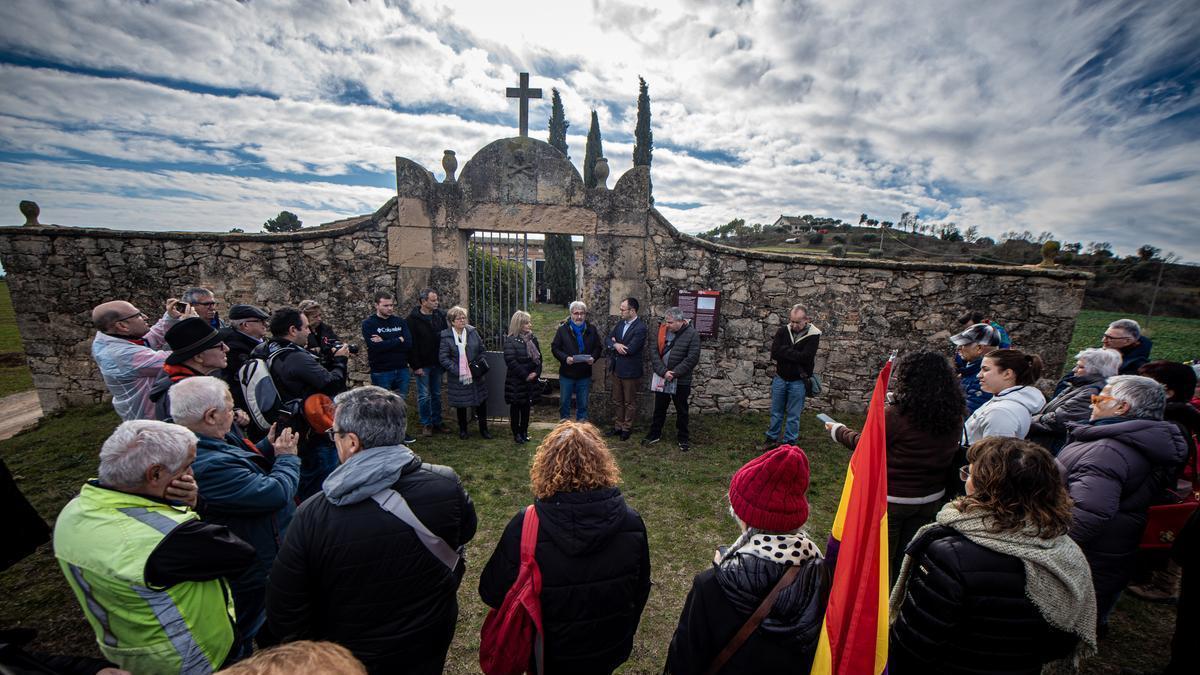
(354,571)
(576,345)
(297,374)
(247,330)
(794,351)
(426,323)
(673,359)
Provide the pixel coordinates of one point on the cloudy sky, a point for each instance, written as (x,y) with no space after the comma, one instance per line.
(1078,117)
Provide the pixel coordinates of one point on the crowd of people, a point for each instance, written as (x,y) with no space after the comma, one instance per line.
(322,538)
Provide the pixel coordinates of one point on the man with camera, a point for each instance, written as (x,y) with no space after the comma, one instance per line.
(130,352)
(297,375)
(388,343)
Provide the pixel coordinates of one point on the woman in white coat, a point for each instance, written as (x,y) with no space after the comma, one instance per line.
(1007,374)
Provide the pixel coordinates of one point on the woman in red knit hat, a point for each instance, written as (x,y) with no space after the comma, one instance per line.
(772,564)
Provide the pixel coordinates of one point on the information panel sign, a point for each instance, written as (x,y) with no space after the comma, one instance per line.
(702,309)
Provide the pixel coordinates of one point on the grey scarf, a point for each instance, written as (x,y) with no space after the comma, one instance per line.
(365,473)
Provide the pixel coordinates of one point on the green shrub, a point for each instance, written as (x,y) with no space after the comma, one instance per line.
(839,238)
(837,251)
(870,236)
(875,253)
(816,238)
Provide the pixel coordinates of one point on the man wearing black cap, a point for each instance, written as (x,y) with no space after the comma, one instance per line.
(196,349)
(247,329)
(973,344)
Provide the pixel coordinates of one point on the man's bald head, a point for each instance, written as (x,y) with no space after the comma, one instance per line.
(107,316)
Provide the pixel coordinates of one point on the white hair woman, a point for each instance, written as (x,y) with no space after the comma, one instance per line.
(1115,468)
(459,353)
(1093,367)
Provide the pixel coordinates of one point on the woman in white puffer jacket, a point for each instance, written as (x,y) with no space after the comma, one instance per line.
(1007,374)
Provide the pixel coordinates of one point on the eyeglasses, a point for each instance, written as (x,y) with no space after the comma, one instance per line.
(210,303)
(333,434)
(1114,338)
(135,314)
(964,472)
(1098,398)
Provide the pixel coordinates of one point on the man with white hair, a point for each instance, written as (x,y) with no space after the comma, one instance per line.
(576,345)
(130,353)
(147,572)
(250,494)
(1125,336)
(1115,467)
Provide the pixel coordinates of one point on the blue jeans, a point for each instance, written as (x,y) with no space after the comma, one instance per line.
(429,396)
(395,380)
(568,386)
(787,402)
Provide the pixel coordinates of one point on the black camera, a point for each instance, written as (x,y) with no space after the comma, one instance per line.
(338,344)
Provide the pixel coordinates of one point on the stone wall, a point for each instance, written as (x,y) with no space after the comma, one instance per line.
(57,274)
(865,308)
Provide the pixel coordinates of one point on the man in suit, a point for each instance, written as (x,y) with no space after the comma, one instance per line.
(625,342)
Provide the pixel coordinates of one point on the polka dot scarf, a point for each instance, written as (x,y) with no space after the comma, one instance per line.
(777,548)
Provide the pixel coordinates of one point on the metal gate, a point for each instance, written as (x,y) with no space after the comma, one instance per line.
(499,282)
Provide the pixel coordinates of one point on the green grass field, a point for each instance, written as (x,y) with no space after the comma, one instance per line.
(681,497)
(14,374)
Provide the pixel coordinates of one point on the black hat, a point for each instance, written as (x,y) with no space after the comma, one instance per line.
(246,312)
(190,337)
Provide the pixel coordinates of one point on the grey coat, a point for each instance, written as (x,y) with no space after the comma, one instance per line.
(462,395)
(685,354)
(1049,426)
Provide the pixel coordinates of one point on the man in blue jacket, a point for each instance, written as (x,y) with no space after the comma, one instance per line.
(241,489)
(625,343)
(388,343)
(973,344)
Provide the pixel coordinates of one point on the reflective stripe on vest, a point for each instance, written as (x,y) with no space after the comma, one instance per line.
(163,606)
(94,607)
(158,521)
(176,628)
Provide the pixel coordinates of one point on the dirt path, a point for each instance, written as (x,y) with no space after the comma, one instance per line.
(18,412)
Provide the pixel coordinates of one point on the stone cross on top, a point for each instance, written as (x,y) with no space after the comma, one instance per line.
(524,93)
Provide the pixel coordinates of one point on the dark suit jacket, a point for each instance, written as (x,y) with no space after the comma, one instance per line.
(628,366)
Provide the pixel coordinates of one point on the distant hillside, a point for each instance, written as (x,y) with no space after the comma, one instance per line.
(1121,285)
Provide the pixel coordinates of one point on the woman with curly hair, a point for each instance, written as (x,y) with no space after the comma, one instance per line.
(995,585)
(924,417)
(592,551)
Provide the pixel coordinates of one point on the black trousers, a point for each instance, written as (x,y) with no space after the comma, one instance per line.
(480,415)
(518,419)
(661,402)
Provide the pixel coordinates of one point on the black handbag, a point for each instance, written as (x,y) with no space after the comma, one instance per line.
(479,367)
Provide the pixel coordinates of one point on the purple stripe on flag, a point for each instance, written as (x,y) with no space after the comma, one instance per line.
(831,554)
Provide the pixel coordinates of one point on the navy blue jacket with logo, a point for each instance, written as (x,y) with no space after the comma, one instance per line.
(392,353)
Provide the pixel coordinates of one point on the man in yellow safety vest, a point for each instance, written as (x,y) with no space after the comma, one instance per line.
(148,573)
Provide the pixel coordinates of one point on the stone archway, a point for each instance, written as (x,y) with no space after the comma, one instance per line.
(520,185)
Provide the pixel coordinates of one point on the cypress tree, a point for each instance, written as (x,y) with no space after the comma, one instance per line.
(558,123)
(593,151)
(644,137)
(560,268)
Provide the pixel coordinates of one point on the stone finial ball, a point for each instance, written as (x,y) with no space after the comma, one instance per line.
(31,211)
